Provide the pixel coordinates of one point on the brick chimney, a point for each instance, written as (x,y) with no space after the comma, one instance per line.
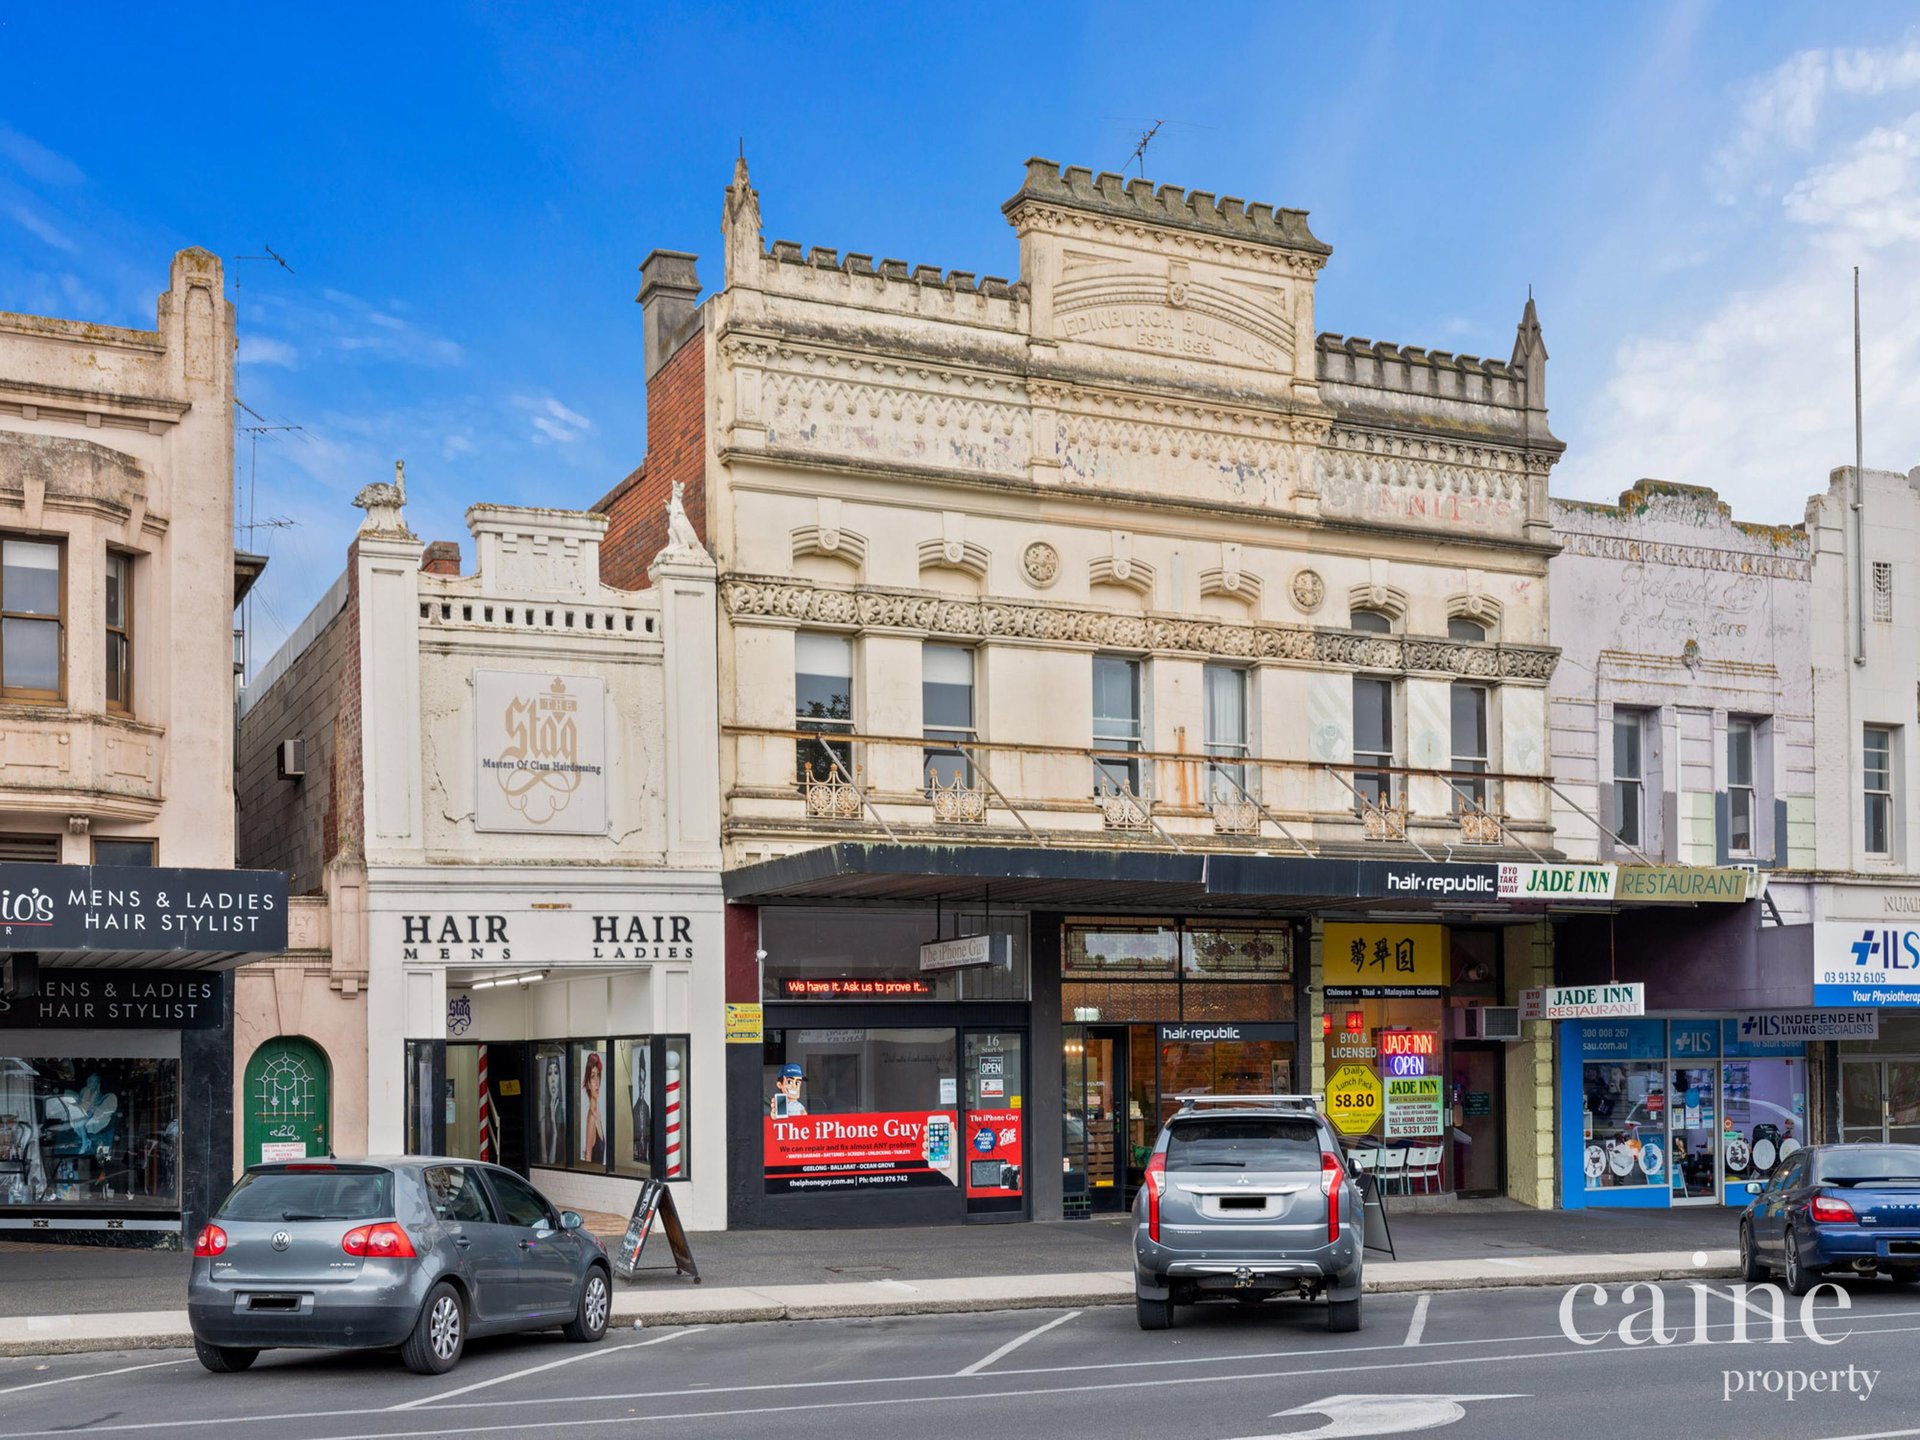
(442,557)
(669,295)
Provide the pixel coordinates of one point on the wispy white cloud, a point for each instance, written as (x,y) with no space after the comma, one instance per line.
(261,350)
(34,160)
(347,326)
(42,229)
(552,421)
(1782,111)
(1748,387)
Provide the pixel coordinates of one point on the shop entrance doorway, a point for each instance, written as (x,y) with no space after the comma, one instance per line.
(1477,1133)
(1880,1100)
(288,1101)
(1095,1118)
(992,1131)
(1693,1129)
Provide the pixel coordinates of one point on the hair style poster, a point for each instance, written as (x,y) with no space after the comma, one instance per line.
(550,1106)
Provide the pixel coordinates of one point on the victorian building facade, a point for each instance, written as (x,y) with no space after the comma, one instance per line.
(503,787)
(1683,743)
(1183,666)
(125,918)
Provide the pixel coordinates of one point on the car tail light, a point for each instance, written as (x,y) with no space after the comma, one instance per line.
(211,1240)
(1156,1187)
(1332,1172)
(385,1241)
(1825,1210)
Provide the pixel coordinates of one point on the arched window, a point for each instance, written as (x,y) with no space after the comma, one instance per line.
(1461,628)
(1372,622)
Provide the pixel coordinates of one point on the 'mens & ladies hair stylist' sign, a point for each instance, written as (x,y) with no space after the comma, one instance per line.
(141,908)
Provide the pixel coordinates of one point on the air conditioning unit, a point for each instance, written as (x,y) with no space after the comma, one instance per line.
(292,759)
(1487,1022)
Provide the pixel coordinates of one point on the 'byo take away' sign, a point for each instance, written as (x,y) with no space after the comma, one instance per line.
(1582,1002)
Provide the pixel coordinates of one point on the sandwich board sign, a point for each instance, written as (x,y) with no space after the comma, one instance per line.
(654,1199)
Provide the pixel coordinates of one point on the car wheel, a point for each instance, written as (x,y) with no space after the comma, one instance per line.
(1343,1316)
(1798,1280)
(1153,1314)
(224,1359)
(1752,1269)
(439,1335)
(596,1305)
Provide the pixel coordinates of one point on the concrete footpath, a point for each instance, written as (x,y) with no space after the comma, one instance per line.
(821,1274)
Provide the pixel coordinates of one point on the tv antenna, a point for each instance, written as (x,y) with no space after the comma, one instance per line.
(1140,150)
(261,426)
(270,254)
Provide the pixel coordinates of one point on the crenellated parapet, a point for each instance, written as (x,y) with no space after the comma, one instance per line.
(1142,202)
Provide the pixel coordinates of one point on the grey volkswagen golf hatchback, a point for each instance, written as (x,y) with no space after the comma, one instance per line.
(1247,1197)
(420,1253)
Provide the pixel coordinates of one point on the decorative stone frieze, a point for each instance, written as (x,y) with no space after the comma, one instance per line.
(749,600)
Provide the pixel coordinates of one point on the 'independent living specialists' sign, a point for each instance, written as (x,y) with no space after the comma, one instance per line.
(1856,963)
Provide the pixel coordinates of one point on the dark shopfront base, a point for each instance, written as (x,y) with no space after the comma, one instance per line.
(749,1207)
(204,1163)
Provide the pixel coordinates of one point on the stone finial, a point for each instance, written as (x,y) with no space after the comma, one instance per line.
(385,504)
(740,225)
(1530,355)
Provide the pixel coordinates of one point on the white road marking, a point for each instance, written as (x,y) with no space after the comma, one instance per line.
(1355,1415)
(93,1375)
(921,1398)
(537,1369)
(1417,1326)
(1015,1343)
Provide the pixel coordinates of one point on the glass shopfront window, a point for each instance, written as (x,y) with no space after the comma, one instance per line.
(1675,1112)
(617,1105)
(1155,1009)
(862,1109)
(90,1130)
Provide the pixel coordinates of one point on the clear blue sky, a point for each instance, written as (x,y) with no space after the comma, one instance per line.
(465,193)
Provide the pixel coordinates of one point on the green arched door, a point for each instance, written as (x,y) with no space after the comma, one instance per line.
(289,1105)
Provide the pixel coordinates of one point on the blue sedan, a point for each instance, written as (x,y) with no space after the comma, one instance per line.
(1854,1209)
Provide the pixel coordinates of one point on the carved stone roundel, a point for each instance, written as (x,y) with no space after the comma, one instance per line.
(1308,590)
(1041,562)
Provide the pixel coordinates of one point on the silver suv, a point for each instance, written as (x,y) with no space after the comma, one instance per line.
(1247,1198)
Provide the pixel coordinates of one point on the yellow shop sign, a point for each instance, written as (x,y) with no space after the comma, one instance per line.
(1365,953)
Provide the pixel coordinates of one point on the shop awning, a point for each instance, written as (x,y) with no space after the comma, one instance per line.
(141,917)
(1153,881)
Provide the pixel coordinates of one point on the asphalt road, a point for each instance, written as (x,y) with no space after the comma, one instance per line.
(49,1280)
(1223,1372)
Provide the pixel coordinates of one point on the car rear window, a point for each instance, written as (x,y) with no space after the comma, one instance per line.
(310,1194)
(1882,1163)
(1253,1142)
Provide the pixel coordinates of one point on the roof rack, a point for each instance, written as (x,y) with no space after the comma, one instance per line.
(1277,1102)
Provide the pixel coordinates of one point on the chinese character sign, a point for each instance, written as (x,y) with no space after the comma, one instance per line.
(1367,953)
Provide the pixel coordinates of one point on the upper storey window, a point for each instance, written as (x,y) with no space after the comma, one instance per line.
(119,608)
(32,618)
(1372,622)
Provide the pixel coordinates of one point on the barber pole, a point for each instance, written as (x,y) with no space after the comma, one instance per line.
(486,1110)
(673,1116)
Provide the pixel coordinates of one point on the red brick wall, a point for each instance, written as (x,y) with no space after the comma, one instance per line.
(299,826)
(636,508)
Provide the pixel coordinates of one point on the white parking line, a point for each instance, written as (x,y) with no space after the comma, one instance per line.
(537,1369)
(1015,1343)
(1417,1326)
(92,1375)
